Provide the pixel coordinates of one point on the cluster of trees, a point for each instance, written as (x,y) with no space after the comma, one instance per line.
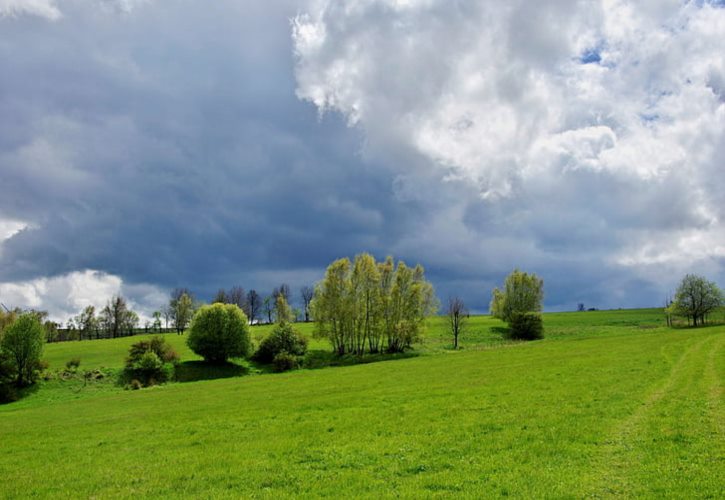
(519,304)
(695,299)
(220,331)
(258,308)
(368,306)
(116,319)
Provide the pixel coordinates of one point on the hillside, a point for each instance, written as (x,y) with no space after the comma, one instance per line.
(609,403)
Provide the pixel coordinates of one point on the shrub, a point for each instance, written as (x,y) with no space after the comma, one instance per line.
(73,364)
(219,332)
(149,362)
(8,391)
(285,361)
(284,338)
(526,326)
(22,344)
(157,345)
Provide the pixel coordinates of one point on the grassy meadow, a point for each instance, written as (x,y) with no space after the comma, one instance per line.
(610,403)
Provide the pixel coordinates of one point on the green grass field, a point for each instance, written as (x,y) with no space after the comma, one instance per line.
(609,404)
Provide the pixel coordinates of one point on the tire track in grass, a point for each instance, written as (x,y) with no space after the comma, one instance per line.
(620,453)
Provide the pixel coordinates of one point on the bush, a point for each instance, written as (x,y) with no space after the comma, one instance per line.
(21,345)
(150,362)
(284,338)
(526,326)
(73,364)
(285,361)
(8,391)
(157,345)
(219,332)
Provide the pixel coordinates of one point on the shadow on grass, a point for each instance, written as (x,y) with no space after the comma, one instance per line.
(192,371)
(504,331)
(323,359)
(11,394)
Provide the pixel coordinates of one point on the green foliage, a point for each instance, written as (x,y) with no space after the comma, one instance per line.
(151,361)
(284,338)
(369,306)
(73,364)
(115,318)
(546,419)
(284,361)
(526,326)
(282,310)
(22,345)
(522,292)
(219,332)
(157,345)
(696,298)
(182,311)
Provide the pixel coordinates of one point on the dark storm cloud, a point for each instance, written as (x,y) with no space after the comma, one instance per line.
(176,143)
(167,146)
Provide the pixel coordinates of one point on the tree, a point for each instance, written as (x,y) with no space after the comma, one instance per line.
(284,290)
(183,312)
(173,308)
(167,314)
(237,297)
(219,332)
(522,292)
(282,311)
(117,319)
(87,323)
(22,344)
(372,307)
(220,297)
(696,297)
(457,317)
(156,325)
(307,292)
(268,307)
(283,338)
(254,305)
(519,304)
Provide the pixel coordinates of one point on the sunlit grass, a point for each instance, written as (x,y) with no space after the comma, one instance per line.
(610,403)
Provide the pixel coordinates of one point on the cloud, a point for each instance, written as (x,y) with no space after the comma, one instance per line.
(43,8)
(64,296)
(591,126)
(207,145)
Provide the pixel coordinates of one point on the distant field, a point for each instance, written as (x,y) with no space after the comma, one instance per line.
(610,403)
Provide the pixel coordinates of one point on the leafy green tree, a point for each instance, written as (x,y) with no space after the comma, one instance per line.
(522,292)
(519,304)
(219,332)
(696,297)
(22,345)
(183,312)
(283,338)
(371,307)
(282,310)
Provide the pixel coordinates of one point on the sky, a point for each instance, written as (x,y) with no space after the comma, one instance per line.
(147,145)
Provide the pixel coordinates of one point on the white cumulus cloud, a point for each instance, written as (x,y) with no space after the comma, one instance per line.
(66,295)
(514,96)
